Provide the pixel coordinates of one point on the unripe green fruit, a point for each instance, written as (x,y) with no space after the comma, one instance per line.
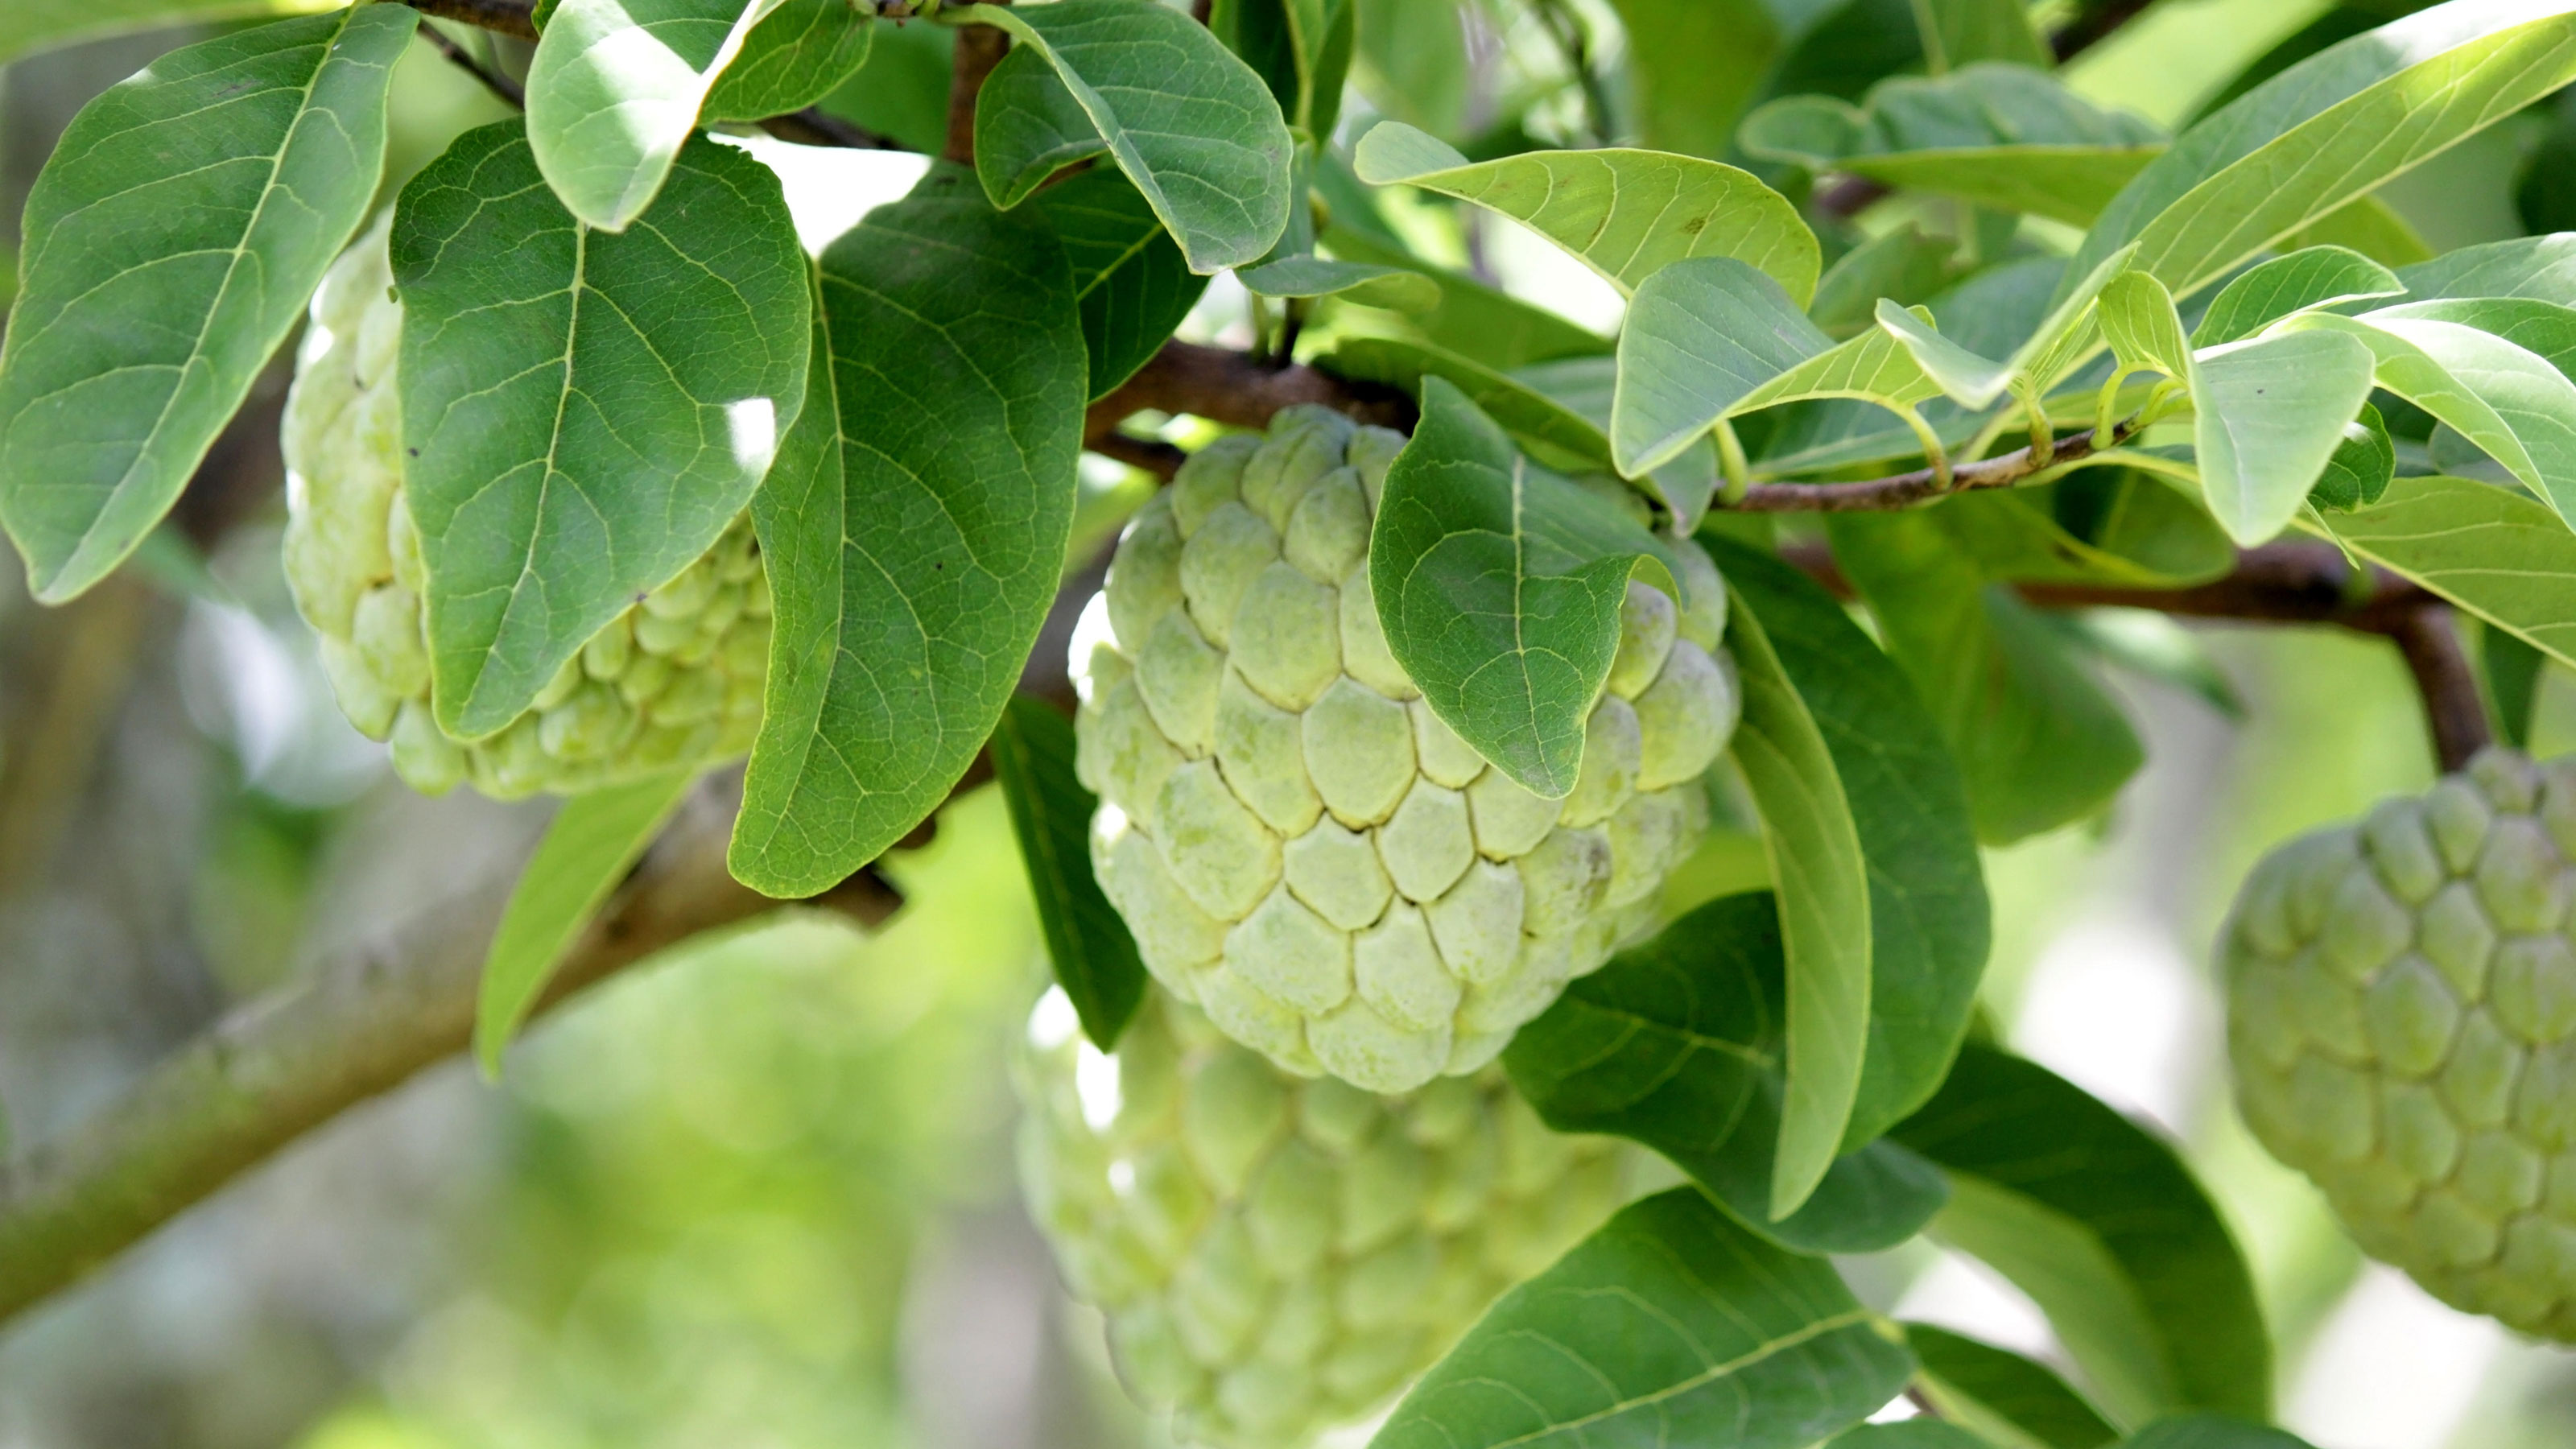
(1303,849)
(2402,1018)
(674,681)
(1278,1255)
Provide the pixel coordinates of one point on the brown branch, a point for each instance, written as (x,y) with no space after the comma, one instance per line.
(1904,490)
(502,17)
(2455,710)
(1151,454)
(2093,27)
(1239,391)
(495,82)
(979,49)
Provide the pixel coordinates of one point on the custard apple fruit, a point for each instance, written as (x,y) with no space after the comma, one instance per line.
(1277,1255)
(2402,1019)
(1303,850)
(675,680)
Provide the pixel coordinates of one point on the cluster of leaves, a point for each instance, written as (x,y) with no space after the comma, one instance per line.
(614,344)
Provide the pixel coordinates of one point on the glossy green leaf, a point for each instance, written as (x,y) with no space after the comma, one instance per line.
(2268,417)
(2037,739)
(587,849)
(1588,386)
(1824,905)
(1128,274)
(1626,214)
(171,242)
(564,464)
(2363,463)
(2212,1431)
(1959,33)
(2102,1225)
(2493,552)
(2005,1398)
(32,25)
(1095,958)
(913,548)
(1560,436)
(2310,278)
(803,51)
(1498,329)
(614,90)
(1700,335)
(1679,1044)
(1395,288)
(1499,586)
(2329,130)
(1671,1325)
(1928,915)
(1190,124)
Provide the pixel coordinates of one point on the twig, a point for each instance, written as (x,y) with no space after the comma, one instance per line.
(979,49)
(493,81)
(1151,454)
(814,126)
(501,17)
(1239,391)
(1565,29)
(2454,709)
(1904,490)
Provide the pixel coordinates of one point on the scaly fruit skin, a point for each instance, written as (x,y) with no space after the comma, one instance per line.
(675,680)
(1277,1255)
(2402,1018)
(1303,850)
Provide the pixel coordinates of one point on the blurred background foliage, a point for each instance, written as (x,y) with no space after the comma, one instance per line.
(760,1193)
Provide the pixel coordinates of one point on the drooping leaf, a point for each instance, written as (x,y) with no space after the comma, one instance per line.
(1095,957)
(914,548)
(1499,586)
(2510,669)
(1128,273)
(2004,1397)
(2034,365)
(2269,415)
(1873,367)
(1396,288)
(1189,123)
(1557,434)
(2330,129)
(2102,1225)
(614,90)
(1700,335)
(1626,214)
(1960,33)
(2037,739)
(1670,1325)
(2493,552)
(170,243)
(1472,319)
(2309,278)
(2212,1431)
(1679,1044)
(563,464)
(803,51)
(1028,127)
(1997,135)
(588,848)
(1588,386)
(1927,897)
(2363,463)
(1301,48)
(2144,330)
(2102,525)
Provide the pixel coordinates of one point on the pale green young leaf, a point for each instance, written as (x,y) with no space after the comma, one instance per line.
(170,243)
(2212,1431)
(2330,129)
(1499,329)
(1129,275)
(2542,268)
(1499,586)
(2106,1230)
(914,551)
(1872,367)
(1588,386)
(1964,377)
(1679,1044)
(2368,225)
(2268,416)
(1398,289)
(587,849)
(1624,213)
(32,25)
(2305,280)
(561,466)
(1960,33)
(614,90)
(2144,330)
(2006,1399)
(1700,335)
(2490,550)
(1191,125)
(2363,464)
(1560,436)
(1671,1325)
(1028,127)
(1094,955)
(2036,362)
(801,53)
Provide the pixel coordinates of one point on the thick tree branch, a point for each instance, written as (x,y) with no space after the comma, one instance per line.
(1239,391)
(2455,711)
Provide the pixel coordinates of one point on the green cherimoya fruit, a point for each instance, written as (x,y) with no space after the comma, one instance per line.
(675,680)
(1303,849)
(2402,1019)
(1277,1255)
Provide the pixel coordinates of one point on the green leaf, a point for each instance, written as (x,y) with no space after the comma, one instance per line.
(1626,214)
(2038,741)
(803,52)
(1301,48)
(1904,265)
(1095,957)
(171,242)
(2510,669)
(2269,416)
(1872,367)
(2102,1225)
(1824,906)
(2212,1431)
(1028,127)
(1413,61)
(1997,135)
(2144,330)
(2101,525)
(588,848)
(902,92)
(1499,329)
(2493,552)
(1499,586)
(914,546)
(1128,273)
(2363,463)
(2368,225)
(1700,335)
(562,465)
(2002,1396)
(2542,268)
(1700,63)
(1396,288)
(1189,123)
(2329,130)
(1959,33)
(32,25)
(1927,895)
(1679,1044)
(614,90)
(2304,280)
(1919,1433)
(1557,434)
(1589,386)
(2034,366)
(1671,1325)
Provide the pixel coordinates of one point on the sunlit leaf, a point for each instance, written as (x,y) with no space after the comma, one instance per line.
(614,90)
